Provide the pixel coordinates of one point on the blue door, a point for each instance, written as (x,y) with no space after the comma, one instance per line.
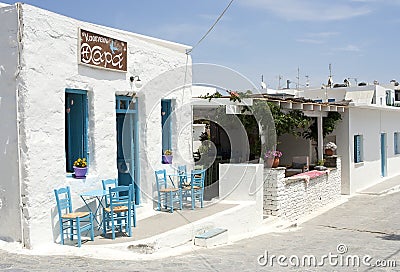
(383,155)
(127,144)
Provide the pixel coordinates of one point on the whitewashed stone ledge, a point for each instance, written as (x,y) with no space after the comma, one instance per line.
(294,197)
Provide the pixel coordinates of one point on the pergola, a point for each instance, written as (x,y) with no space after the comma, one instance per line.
(308,107)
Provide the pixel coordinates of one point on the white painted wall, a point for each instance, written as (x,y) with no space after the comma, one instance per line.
(242,182)
(10,212)
(344,150)
(49,67)
(371,122)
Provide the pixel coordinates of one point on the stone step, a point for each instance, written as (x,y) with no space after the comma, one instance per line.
(212,237)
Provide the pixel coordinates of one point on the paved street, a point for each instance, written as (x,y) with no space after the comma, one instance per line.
(365,225)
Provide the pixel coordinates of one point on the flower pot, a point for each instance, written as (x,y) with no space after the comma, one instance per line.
(272,162)
(80,172)
(328,152)
(167,159)
(275,163)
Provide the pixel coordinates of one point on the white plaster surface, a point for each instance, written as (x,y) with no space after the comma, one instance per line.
(10,212)
(49,66)
(369,122)
(243,182)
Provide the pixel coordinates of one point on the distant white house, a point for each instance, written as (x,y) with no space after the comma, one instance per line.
(368,137)
(69,89)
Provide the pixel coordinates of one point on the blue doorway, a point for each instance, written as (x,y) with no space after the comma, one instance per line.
(383,155)
(127,144)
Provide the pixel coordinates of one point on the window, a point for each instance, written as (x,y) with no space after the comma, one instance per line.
(331,99)
(318,100)
(76,120)
(358,148)
(166,110)
(397,143)
(397,95)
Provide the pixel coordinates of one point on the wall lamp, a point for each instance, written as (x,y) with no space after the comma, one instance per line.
(136,80)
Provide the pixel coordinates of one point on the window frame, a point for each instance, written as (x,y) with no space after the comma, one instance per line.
(166,142)
(396,142)
(85,113)
(358,148)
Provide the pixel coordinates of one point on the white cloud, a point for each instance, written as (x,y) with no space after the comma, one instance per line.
(349,48)
(323,35)
(317,38)
(310,41)
(311,10)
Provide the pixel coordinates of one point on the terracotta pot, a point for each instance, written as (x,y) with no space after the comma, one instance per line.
(328,152)
(272,162)
(276,162)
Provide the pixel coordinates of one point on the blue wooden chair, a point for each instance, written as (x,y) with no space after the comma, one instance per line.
(112,183)
(108,183)
(182,174)
(118,213)
(72,223)
(196,188)
(167,195)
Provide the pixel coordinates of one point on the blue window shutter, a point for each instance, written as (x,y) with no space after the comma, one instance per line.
(357,148)
(76,123)
(166,110)
(396,148)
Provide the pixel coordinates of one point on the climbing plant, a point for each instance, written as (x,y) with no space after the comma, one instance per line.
(328,126)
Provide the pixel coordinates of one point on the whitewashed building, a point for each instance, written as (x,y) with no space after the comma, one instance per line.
(67,88)
(368,137)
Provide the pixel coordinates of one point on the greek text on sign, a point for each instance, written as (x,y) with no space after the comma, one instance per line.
(101,51)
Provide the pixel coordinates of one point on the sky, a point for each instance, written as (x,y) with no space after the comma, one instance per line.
(276,39)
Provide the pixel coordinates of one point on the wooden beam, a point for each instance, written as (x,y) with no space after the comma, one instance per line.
(286,105)
(297,106)
(308,107)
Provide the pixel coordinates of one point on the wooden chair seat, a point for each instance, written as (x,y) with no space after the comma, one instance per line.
(117,209)
(166,190)
(75,215)
(189,187)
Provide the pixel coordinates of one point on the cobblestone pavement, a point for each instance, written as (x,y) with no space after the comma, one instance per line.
(365,225)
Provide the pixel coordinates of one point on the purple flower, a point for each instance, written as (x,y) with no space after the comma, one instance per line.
(272,154)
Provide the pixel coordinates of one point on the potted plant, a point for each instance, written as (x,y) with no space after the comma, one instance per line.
(272,158)
(80,168)
(167,157)
(330,148)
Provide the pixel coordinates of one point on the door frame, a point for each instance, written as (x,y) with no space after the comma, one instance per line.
(131,108)
(383,142)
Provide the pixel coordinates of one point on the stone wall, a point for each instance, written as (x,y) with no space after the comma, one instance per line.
(294,197)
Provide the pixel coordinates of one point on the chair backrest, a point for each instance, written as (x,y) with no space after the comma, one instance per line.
(161,179)
(197,178)
(182,169)
(63,198)
(182,172)
(108,183)
(120,196)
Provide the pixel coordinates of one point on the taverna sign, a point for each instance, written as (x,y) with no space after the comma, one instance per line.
(101,51)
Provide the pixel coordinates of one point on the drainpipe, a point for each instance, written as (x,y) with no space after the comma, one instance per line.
(19,83)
